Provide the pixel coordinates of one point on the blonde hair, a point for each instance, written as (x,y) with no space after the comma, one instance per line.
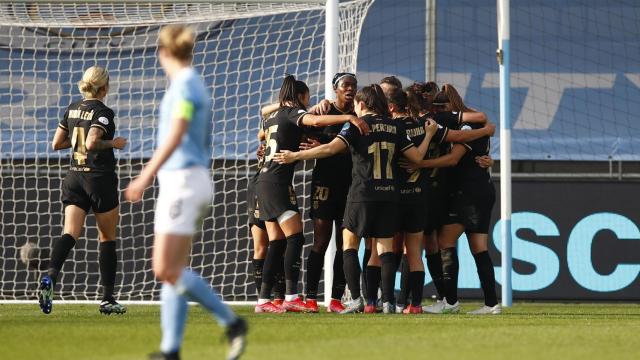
(93,81)
(178,40)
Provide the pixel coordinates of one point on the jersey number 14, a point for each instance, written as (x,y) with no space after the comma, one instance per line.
(78,145)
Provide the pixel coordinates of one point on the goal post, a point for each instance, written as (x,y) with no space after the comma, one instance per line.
(243,50)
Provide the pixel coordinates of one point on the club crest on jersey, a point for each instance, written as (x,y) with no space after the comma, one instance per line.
(103,120)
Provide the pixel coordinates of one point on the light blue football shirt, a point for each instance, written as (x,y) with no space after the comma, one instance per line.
(187,97)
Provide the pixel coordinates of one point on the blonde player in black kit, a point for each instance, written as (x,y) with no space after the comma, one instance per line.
(276,197)
(88,128)
(371,209)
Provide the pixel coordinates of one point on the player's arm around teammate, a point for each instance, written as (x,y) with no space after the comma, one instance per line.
(369,102)
(88,128)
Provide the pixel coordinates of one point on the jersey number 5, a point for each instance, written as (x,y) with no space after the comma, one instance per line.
(376,149)
(272,144)
(78,145)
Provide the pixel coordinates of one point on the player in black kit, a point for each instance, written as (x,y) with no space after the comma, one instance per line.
(259,230)
(472,198)
(414,189)
(371,209)
(88,128)
(276,197)
(330,184)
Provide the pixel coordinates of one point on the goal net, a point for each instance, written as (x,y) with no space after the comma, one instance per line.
(243,50)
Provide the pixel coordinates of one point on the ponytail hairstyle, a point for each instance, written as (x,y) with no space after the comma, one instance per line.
(454,98)
(291,91)
(178,40)
(399,98)
(93,81)
(373,98)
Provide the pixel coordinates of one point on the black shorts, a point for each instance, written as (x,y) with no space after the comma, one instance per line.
(371,219)
(252,204)
(437,208)
(96,191)
(275,199)
(411,217)
(328,201)
(472,205)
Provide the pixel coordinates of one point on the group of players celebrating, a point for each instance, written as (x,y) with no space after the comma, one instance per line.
(405,169)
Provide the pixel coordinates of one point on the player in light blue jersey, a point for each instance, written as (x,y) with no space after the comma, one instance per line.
(181,162)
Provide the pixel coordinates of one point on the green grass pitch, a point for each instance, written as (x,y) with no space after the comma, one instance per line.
(526,331)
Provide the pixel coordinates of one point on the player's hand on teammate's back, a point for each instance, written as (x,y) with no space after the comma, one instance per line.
(490,128)
(285,157)
(484,161)
(321,108)
(309,144)
(136,188)
(430,127)
(260,151)
(362,125)
(119,143)
(407,165)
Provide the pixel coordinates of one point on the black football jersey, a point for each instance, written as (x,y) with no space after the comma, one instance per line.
(283,131)
(439,146)
(467,168)
(413,184)
(79,118)
(334,170)
(374,157)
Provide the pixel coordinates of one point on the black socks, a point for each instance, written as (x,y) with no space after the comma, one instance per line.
(388,268)
(59,254)
(374,274)
(416,283)
(292,262)
(108,260)
(434,264)
(315,261)
(487,277)
(405,284)
(352,271)
(275,252)
(258,265)
(450,268)
(339,282)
